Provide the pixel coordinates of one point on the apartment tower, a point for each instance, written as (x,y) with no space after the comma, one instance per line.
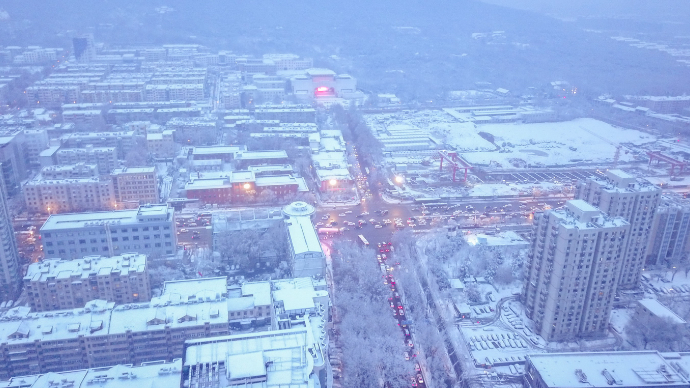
(572,270)
(619,194)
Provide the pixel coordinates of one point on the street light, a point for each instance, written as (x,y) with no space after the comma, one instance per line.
(247,186)
(399,179)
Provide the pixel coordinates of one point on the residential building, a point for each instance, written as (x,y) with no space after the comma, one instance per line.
(572,270)
(306,256)
(652,307)
(10,272)
(55,284)
(35,141)
(668,243)
(619,194)
(103,334)
(150,230)
(124,141)
(287,115)
(639,369)
(244,159)
(135,185)
(149,374)
(52,196)
(161,144)
(104,157)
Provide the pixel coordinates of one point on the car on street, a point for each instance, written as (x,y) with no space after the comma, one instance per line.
(407,356)
(409,342)
(419,378)
(377,226)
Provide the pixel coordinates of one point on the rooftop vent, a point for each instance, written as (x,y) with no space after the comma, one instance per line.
(581,376)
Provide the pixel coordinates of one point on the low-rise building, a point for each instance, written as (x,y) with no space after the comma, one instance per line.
(668,242)
(652,307)
(271,359)
(306,255)
(67,284)
(150,374)
(150,229)
(43,195)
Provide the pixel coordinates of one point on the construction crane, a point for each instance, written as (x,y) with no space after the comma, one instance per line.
(617,155)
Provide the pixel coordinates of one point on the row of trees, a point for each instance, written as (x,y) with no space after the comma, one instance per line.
(372,344)
(427,336)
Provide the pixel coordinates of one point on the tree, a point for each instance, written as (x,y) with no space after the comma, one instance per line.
(651,332)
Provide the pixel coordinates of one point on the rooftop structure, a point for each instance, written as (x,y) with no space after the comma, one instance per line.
(572,270)
(620,194)
(602,369)
(151,374)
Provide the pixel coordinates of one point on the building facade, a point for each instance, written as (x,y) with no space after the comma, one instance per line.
(150,230)
(102,334)
(572,270)
(619,194)
(668,243)
(135,185)
(54,196)
(67,284)
(103,157)
(10,282)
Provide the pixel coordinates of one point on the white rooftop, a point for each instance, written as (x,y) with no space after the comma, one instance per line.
(122,217)
(189,289)
(605,369)
(82,268)
(149,375)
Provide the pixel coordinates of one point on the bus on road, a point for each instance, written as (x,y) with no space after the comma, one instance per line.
(363,240)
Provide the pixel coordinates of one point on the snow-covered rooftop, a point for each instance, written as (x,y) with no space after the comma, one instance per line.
(82,268)
(660,310)
(152,374)
(122,217)
(605,369)
(190,288)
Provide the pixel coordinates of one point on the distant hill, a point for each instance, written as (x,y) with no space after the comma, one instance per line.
(418,49)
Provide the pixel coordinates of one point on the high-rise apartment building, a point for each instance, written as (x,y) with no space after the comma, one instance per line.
(668,244)
(572,271)
(67,284)
(84,47)
(619,194)
(10,281)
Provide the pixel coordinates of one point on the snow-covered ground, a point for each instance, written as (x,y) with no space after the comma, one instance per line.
(556,144)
